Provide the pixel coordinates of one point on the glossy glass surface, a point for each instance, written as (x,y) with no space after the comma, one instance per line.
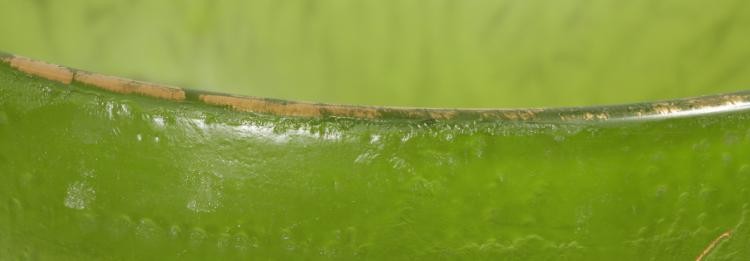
(88,174)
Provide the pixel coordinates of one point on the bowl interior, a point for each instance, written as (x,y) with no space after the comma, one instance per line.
(441,53)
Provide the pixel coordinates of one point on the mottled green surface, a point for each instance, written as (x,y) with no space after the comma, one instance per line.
(89,175)
(439,53)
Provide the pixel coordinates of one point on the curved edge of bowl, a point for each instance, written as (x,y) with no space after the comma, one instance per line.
(611,113)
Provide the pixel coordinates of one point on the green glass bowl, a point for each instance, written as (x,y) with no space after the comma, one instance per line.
(95,167)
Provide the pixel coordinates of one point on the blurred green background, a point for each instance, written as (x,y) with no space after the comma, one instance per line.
(438,53)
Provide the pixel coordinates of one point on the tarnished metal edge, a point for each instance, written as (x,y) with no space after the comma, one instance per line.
(628,112)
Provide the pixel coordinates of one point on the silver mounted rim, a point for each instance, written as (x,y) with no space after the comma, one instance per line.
(696,106)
